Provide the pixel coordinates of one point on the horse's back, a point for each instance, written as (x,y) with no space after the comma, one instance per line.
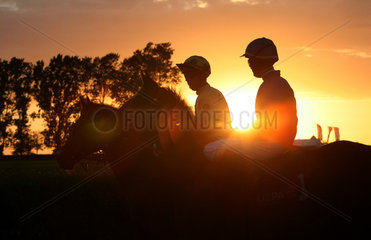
(301,190)
(289,193)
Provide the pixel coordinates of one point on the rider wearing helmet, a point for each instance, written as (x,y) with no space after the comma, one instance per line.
(275,109)
(211,108)
(275,97)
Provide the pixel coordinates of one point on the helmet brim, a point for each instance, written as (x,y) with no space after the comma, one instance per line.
(246,55)
(184,67)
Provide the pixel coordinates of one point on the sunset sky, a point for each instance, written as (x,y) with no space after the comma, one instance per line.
(324,46)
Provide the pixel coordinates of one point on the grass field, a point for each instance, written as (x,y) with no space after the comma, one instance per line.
(93,210)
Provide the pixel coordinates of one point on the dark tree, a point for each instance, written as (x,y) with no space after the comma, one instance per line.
(103,71)
(58,86)
(154,60)
(37,141)
(6,109)
(21,82)
(57,90)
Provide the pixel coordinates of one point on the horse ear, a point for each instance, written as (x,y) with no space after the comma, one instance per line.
(84,101)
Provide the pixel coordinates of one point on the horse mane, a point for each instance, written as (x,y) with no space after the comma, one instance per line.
(166,97)
(178,99)
(168,93)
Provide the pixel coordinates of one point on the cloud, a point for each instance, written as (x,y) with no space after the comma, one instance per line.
(251,2)
(9,5)
(343,51)
(191,4)
(186,5)
(353,52)
(195,4)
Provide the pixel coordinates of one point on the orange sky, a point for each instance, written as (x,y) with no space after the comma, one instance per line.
(331,78)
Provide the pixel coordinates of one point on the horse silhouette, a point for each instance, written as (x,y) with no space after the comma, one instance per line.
(173,192)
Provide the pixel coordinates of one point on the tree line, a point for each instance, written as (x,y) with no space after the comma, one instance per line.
(56,88)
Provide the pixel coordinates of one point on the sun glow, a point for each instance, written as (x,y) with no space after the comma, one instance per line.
(242,108)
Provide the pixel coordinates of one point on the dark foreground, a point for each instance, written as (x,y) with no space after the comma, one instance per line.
(94,210)
(229,200)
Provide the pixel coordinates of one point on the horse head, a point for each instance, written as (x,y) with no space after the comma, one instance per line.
(96,127)
(102,127)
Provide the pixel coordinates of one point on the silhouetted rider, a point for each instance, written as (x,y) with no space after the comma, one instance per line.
(211,109)
(275,108)
(275,99)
